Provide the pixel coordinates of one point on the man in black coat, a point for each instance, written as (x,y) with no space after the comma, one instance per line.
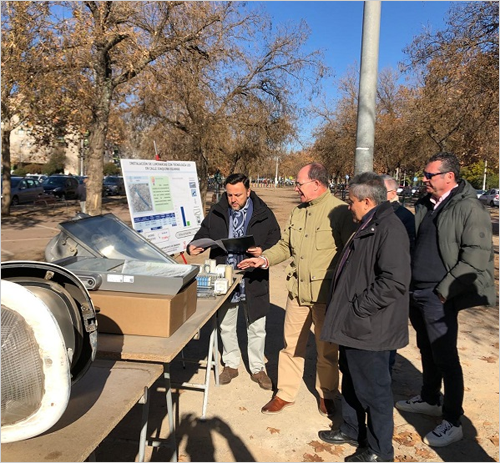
(241,212)
(367,316)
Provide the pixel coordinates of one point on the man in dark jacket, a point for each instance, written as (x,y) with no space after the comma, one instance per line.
(367,317)
(452,268)
(241,212)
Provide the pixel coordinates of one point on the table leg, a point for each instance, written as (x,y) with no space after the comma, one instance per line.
(216,350)
(170,409)
(144,428)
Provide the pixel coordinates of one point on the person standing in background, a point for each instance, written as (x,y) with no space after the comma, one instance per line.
(81,194)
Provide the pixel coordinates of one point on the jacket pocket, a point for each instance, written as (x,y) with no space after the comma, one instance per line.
(356,327)
(321,282)
(325,240)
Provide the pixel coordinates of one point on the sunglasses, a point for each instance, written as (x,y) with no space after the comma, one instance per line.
(429,175)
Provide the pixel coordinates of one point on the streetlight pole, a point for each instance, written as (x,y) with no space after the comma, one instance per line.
(365,135)
(276,175)
(484,174)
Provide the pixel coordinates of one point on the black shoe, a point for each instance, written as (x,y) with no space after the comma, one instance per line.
(365,455)
(337,437)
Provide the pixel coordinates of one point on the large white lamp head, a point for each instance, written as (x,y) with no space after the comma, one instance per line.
(49,339)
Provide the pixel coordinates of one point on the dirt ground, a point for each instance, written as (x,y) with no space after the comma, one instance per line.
(234,429)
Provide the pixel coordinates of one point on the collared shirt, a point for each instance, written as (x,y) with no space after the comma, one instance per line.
(438,202)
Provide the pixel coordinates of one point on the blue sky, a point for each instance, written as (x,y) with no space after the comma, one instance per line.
(336,29)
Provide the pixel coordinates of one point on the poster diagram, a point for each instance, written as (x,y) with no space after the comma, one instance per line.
(164,201)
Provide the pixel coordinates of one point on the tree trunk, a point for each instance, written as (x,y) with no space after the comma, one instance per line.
(97,139)
(6,172)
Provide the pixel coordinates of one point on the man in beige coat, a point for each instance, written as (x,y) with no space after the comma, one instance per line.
(315,234)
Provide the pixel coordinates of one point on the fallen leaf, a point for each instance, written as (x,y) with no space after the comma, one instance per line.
(322,447)
(309,457)
(405,438)
(273,430)
(425,454)
(243,409)
(403,458)
(494,440)
(490,359)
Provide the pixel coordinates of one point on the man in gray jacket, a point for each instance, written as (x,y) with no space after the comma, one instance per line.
(367,317)
(452,269)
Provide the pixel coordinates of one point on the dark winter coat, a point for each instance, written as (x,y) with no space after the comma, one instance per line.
(465,246)
(266,232)
(369,305)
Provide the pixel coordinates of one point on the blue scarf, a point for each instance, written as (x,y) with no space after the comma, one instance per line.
(238,223)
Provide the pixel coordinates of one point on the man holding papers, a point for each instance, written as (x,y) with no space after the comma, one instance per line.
(241,212)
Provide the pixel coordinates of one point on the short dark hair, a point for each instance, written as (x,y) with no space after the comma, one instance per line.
(233,179)
(449,162)
(318,172)
(368,185)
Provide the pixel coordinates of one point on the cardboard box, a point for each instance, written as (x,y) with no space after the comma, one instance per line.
(143,314)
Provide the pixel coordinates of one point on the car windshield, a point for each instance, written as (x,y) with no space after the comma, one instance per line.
(14,182)
(112,180)
(54,181)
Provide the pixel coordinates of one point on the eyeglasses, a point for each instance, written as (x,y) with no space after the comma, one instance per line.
(299,185)
(429,175)
(388,191)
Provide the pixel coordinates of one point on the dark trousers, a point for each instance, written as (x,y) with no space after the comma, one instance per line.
(367,402)
(436,325)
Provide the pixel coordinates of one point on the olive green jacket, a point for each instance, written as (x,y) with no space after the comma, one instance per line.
(466,247)
(314,237)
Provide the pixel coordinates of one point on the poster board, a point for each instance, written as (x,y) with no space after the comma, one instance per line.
(164,201)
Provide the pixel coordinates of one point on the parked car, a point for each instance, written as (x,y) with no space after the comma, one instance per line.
(24,190)
(81,178)
(479,193)
(39,177)
(112,185)
(490,198)
(62,186)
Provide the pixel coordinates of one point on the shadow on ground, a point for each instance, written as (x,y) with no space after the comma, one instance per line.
(406,383)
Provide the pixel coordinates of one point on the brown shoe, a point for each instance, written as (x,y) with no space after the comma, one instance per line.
(276,405)
(326,407)
(263,380)
(227,375)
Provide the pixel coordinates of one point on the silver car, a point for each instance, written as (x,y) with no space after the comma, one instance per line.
(490,198)
(24,190)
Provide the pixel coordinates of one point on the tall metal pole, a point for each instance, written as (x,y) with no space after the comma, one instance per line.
(365,135)
(484,174)
(276,175)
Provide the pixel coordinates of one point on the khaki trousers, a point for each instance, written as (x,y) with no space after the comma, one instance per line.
(298,321)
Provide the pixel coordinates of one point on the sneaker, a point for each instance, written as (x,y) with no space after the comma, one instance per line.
(444,434)
(227,375)
(417,405)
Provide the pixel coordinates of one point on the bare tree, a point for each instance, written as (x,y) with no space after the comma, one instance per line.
(457,104)
(25,47)
(230,102)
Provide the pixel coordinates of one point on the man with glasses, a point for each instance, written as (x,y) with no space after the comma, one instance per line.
(368,318)
(452,269)
(316,232)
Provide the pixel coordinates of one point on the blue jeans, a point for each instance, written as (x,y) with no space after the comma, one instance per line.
(436,325)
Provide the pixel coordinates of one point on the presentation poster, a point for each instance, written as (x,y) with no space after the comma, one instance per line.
(164,201)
